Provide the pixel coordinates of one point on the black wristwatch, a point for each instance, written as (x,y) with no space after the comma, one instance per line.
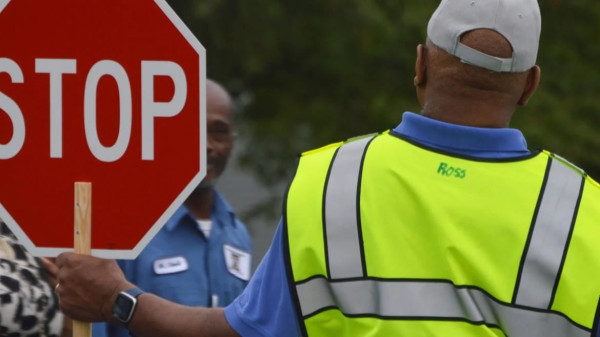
(125,305)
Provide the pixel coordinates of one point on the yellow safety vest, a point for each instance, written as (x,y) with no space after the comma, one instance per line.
(387,238)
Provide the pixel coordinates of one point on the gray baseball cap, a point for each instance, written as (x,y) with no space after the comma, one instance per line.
(519,21)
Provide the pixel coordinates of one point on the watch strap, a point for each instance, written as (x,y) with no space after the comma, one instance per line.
(134,292)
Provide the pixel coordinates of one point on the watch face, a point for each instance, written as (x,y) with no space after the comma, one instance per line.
(123,307)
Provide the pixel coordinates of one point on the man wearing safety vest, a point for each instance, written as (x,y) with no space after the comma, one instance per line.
(447,225)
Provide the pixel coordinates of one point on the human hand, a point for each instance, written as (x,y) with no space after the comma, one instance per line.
(88,286)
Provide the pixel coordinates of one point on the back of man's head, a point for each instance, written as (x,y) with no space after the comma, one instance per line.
(483,50)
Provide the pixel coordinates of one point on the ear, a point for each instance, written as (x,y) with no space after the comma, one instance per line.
(533,81)
(420,79)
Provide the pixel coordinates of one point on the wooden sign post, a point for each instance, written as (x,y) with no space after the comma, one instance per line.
(83,239)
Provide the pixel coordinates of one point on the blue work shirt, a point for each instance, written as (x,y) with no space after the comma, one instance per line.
(182,265)
(265,308)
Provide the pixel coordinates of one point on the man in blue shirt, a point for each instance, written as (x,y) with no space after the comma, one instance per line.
(467,105)
(274,315)
(202,256)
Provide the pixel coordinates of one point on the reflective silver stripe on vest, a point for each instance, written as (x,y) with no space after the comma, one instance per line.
(550,236)
(341,223)
(430,300)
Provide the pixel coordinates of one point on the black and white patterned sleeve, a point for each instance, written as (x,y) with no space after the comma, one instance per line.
(28,305)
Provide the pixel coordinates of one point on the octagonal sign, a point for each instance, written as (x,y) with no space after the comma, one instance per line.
(109,92)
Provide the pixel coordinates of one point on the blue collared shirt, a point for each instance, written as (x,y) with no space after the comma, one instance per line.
(265,308)
(463,140)
(182,265)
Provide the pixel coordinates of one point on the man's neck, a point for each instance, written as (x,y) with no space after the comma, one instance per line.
(472,113)
(200,203)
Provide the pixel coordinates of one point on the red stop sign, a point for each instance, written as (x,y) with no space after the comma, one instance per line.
(103,91)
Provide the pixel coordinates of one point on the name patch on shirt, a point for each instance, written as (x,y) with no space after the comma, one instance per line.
(238,262)
(170,265)
(450,171)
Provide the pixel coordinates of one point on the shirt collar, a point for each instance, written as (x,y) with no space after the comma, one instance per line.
(475,141)
(221,205)
(220,208)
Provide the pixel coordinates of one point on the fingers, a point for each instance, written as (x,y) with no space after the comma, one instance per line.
(51,269)
(62,259)
(59,263)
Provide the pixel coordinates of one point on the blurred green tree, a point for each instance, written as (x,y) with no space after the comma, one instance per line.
(312,72)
